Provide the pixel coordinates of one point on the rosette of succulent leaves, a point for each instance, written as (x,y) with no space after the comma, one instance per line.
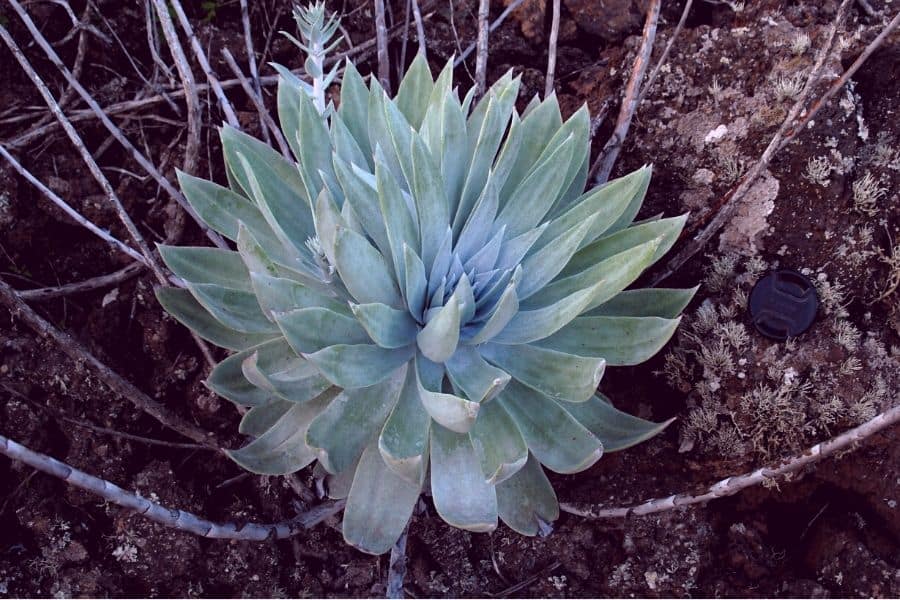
(424,298)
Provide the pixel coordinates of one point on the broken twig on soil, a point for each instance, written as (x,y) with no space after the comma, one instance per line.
(665,55)
(113,380)
(603,164)
(79,287)
(170,517)
(730,202)
(732,485)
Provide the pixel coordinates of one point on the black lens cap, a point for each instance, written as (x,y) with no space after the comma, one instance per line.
(783,304)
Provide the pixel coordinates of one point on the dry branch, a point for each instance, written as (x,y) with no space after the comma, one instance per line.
(197,49)
(551,51)
(484,7)
(732,199)
(603,165)
(79,287)
(733,485)
(665,55)
(113,380)
(170,517)
(420,29)
(494,25)
(381,38)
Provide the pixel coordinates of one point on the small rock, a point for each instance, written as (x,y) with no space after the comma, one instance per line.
(716,134)
(704,177)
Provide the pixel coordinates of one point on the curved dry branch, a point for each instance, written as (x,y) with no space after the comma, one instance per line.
(732,485)
(170,517)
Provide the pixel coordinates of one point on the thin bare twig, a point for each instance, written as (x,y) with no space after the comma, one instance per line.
(113,380)
(732,485)
(527,582)
(170,517)
(731,200)
(381,37)
(254,74)
(665,55)
(200,55)
(85,155)
(551,52)
(397,567)
(74,214)
(481,56)
(420,29)
(142,160)
(79,287)
(603,165)
(494,25)
(268,124)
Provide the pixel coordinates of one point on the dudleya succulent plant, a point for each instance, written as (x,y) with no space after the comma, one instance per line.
(425,293)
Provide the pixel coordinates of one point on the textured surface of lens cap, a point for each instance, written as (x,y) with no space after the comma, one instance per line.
(783,304)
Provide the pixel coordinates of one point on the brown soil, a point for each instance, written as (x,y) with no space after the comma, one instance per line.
(835,531)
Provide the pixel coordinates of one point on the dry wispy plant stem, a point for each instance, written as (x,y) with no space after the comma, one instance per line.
(603,165)
(381,38)
(551,52)
(74,214)
(200,55)
(732,199)
(248,42)
(733,485)
(481,56)
(86,156)
(268,124)
(188,84)
(420,28)
(170,517)
(665,55)
(494,25)
(113,380)
(142,160)
(80,287)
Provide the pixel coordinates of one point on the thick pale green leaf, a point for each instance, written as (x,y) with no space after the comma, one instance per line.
(312,146)
(478,380)
(414,91)
(359,365)
(533,325)
(260,419)
(477,229)
(227,379)
(416,283)
(404,440)
(627,217)
(451,411)
(345,146)
(354,108)
(667,230)
(498,444)
(379,505)
(650,302)
(537,128)
(528,204)
(309,330)
(616,429)
(607,203)
(555,437)
(207,265)
(439,338)
(431,201)
(620,340)
(614,274)
(514,250)
(182,305)
(278,295)
(461,495)
(328,220)
(526,501)
(352,421)
(379,132)
(253,257)
(282,449)
(504,311)
(556,374)
(400,224)
(235,309)
(365,204)
(223,210)
(289,216)
(506,159)
(388,327)
(540,268)
(364,270)
(275,367)
(337,486)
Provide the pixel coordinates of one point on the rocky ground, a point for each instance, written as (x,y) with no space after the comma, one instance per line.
(827,206)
